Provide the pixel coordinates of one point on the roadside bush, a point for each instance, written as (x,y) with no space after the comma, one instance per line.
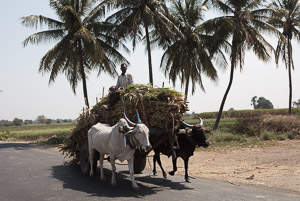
(266,136)
(282,124)
(281,137)
(291,136)
(4,135)
(225,137)
(248,126)
(266,126)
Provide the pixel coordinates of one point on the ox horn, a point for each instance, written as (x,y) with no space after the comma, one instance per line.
(138,117)
(128,121)
(187,125)
(201,121)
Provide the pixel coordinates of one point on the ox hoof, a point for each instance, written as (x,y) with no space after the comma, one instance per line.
(165,175)
(172,173)
(187,179)
(113,184)
(91,174)
(154,173)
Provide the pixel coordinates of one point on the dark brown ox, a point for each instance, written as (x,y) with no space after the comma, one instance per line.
(186,147)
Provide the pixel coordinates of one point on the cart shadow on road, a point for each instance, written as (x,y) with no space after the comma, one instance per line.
(72,179)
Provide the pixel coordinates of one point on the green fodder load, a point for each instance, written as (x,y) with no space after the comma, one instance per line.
(159,108)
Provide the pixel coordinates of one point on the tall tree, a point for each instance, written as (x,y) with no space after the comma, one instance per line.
(139,17)
(83,41)
(243,21)
(286,17)
(191,57)
(297,103)
(261,103)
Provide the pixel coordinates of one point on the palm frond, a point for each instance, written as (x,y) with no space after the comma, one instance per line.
(43,36)
(40,20)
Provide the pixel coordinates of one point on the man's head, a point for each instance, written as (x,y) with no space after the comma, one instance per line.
(123,68)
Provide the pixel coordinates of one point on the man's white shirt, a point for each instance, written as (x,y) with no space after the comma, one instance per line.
(124,81)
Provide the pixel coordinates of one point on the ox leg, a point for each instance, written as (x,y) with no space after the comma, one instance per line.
(131,171)
(174,161)
(157,158)
(186,166)
(102,177)
(154,164)
(91,158)
(113,170)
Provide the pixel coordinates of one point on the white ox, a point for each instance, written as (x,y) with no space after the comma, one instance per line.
(110,140)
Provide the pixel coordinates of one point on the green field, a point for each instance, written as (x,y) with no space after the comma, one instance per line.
(210,121)
(34,132)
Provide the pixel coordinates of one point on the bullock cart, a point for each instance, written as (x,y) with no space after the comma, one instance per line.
(160,109)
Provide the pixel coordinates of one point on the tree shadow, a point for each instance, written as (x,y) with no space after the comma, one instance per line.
(72,178)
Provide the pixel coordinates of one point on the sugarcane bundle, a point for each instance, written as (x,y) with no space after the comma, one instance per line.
(160,108)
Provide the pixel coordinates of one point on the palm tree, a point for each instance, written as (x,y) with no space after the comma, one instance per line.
(84,43)
(190,57)
(139,15)
(243,21)
(286,16)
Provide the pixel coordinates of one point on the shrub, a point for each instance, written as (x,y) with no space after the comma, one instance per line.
(248,126)
(225,137)
(267,135)
(291,136)
(4,135)
(281,137)
(277,124)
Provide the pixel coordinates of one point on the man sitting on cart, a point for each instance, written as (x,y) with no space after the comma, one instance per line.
(124,80)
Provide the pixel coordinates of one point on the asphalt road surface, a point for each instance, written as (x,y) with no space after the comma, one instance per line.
(32,174)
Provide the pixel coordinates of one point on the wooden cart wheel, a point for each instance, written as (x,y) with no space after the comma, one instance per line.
(139,161)
(84,160)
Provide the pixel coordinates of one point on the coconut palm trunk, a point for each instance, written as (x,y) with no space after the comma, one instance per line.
(149,55)
(226,93)
(83,77)
(186,91)
(290,74)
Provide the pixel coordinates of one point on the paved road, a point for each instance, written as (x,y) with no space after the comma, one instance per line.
(31,174)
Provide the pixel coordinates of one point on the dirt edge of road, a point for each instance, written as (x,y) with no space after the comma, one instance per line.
(275,165)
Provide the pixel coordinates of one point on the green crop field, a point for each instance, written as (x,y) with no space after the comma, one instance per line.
(34,131)
(210,121)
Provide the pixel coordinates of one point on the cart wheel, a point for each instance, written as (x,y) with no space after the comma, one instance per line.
(84,160)
(139,161)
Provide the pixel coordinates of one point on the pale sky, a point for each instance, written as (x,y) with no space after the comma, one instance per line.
(26,93)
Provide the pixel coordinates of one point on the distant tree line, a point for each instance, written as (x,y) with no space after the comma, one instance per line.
(39,120)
